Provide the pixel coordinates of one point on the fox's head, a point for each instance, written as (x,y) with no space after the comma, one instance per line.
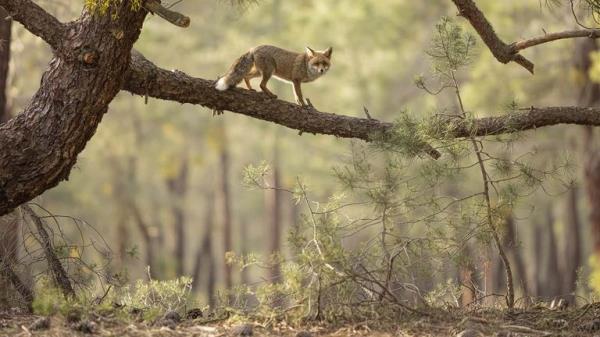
(319,61)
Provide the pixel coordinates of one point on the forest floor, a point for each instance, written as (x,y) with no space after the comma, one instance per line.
(540,321)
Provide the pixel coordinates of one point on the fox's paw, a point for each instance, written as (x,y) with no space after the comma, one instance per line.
(270,94)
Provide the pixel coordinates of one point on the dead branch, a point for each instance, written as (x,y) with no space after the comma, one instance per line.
(154,6)
(58,271)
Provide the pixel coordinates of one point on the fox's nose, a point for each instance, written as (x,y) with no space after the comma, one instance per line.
(321,70)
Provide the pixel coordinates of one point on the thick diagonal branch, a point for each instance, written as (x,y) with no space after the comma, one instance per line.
(147,79)
(504,52)
(501,51)
(41,144)
(36,20)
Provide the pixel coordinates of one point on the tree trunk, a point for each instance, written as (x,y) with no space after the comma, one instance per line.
(538,253)
(512,245)
(178,187)
(274,198)
(226,204)
(146,236)
(572,256)
(552,286)
(92,56)
(244,275)
(204,261)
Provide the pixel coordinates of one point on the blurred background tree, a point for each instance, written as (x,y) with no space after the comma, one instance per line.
(162,182)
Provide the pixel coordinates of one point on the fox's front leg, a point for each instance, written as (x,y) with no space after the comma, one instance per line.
(298,93)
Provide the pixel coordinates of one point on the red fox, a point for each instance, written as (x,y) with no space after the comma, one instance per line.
(287,66)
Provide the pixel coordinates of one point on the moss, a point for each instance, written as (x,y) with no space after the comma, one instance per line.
(102,6)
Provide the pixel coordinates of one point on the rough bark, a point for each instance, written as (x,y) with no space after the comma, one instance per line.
(502,52)
(146,79)
(40,145)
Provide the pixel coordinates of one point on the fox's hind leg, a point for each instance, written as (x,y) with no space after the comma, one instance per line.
(263,84)
(266,66)
(247,81)
(252,74)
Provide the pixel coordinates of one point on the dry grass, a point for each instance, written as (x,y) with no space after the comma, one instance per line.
(538,321)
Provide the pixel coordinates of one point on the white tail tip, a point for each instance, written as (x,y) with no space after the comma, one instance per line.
(221,84)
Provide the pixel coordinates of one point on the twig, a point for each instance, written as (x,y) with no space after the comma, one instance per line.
(175,18)
(60,275)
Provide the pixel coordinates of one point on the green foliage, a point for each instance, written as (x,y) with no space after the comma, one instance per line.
(451,48)
(155,297)
(103,6)
(49,300)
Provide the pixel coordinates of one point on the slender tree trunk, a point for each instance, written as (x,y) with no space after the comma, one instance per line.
(274,198)
(244,277)
(552,284)
(226,204)
(511,242)
(205,255)
(178,187)
(467,280)
(572,256)
(539,237)
(146,236)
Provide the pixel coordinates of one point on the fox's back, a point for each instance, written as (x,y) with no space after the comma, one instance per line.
(282,59)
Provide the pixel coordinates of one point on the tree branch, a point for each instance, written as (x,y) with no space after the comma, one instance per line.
(569,34)
(154,6)
(533,118)
(510,52)
(146,79)
(41,144)
(501,51)
(36,20)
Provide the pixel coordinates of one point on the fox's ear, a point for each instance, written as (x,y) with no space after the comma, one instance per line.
(310,52)
(328,52)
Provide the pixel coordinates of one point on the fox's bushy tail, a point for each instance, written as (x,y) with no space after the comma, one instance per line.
(236,73)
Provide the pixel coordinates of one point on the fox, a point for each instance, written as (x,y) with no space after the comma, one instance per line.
(287,66)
